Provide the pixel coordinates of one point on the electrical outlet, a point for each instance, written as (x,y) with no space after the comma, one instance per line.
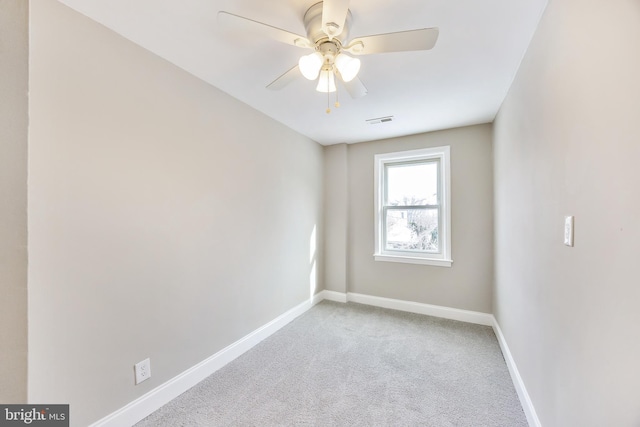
(142,370)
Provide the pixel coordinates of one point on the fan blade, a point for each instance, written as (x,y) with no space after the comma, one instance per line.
(423,39)
(334,15)
(355,88)
(285,79)
(237,22)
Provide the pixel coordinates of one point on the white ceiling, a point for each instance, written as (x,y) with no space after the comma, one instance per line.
(461,81)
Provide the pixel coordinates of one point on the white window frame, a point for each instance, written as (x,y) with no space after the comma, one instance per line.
(441,258)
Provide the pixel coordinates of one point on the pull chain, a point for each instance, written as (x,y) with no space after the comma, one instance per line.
(328,101)
(337,103)
(328,87)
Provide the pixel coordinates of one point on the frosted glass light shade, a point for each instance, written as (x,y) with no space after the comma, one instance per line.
(347,66)
(326,82)
(310,65)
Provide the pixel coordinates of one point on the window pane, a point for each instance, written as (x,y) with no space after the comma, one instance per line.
(412,230)
(412,184)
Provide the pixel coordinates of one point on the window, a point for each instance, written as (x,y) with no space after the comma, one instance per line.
(412,198)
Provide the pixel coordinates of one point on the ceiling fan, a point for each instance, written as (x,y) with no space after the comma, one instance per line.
(327,24)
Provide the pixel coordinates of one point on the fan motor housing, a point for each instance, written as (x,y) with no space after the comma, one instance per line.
(313,25)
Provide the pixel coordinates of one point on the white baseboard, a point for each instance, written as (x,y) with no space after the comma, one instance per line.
(317,298)
(334,296)
(525,400)
(420,308)
(161,395)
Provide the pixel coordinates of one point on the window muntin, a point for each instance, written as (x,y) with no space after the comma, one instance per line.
(412,207)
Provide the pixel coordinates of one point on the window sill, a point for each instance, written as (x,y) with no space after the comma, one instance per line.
(414,260)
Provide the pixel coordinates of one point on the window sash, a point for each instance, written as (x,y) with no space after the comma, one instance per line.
(392,164)
(385,161)
(386,206)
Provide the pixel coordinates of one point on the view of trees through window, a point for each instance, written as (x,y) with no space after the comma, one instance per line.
(411,207)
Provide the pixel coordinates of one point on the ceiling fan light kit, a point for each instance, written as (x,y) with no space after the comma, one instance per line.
(325,59)
(327,25)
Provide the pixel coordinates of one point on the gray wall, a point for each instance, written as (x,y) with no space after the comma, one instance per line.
(14,60)
(166,219)
(336,202)
(567,142)
(467,284)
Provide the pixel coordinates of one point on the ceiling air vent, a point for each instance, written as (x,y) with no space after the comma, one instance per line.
(379,120)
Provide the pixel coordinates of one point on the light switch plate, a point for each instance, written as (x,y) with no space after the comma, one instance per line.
(568,230)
